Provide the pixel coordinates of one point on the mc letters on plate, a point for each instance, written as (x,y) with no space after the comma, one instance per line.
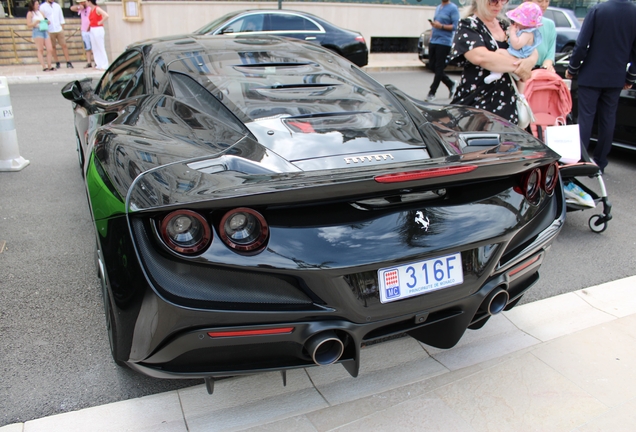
(420,277)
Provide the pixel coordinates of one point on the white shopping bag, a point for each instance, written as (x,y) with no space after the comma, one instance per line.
(566,141)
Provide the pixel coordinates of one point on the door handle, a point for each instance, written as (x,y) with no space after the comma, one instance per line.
(310,38)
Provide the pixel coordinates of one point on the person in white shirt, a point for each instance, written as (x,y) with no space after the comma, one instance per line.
(53,12)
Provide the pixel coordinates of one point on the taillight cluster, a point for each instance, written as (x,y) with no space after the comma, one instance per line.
(185,232)
(545,178)
(244,230)
(189,233)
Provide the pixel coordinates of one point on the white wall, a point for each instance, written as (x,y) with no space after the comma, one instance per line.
(163,18)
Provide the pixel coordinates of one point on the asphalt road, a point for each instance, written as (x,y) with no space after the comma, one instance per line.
(54,353)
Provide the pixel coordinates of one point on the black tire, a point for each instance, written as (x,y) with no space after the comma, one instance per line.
(111,323)
(594,226)
(567,49)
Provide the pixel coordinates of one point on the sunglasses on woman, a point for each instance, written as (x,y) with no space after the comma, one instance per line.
(494,2)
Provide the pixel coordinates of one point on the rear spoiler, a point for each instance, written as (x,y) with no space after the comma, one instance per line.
(205,180)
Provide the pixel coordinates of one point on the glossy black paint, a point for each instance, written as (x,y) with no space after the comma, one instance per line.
(300,135)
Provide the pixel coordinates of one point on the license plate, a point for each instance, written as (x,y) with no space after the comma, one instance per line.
(420,277)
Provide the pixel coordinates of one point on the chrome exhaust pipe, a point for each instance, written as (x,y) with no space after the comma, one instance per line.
(325,348)
(496,301)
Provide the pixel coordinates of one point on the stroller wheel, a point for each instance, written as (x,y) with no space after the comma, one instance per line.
(597,223)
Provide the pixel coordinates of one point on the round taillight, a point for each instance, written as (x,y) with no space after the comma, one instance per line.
(185,232)
(550,177)
(244,230)
(531,183)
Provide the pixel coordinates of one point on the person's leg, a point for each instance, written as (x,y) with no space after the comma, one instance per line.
(588,99)
(86,38)
(607,106)
(39,44)
(437,64)
(53,38)
(62,40)
(444,50)
(49,48)
(99,51)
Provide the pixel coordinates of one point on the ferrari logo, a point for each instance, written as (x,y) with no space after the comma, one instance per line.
(421,220)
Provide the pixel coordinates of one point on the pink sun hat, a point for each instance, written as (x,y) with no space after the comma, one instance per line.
(527,14)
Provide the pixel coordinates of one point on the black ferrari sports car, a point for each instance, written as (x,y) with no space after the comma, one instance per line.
(262,204)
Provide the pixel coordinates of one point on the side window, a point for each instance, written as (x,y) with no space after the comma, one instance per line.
(560,20)
(123,79)
(284,22)
(249,23)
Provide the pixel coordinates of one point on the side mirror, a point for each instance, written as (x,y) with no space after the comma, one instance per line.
(73,92)
(227,31)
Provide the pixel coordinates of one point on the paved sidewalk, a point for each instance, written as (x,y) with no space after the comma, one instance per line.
(29,74)
(567,363)
(32,74)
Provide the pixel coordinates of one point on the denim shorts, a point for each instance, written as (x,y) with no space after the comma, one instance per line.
(86,37)
(37,33)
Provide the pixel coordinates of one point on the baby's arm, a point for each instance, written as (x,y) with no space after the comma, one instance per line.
(518,42)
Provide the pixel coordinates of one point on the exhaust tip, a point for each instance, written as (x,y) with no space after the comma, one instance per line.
(325,348)
(497,301)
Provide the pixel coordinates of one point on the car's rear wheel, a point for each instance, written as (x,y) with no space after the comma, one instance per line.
(567,49)
(111,323)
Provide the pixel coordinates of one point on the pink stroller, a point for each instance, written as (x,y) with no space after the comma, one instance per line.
(551,103)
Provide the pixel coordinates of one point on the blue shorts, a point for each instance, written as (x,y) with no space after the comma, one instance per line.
(37,33)
(86,37)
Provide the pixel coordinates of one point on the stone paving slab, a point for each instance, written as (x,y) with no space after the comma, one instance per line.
(545,374)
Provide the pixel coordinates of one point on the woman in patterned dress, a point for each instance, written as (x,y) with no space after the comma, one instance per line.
(475,47)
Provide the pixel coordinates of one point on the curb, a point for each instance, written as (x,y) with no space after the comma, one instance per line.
(50,79)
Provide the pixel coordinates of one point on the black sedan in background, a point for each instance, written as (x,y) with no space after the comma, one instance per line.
(262,204)
(299,25)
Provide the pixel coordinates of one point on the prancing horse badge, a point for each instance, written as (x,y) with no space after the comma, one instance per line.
(421,220)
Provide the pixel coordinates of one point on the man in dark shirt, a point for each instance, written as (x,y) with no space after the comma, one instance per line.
(605,46)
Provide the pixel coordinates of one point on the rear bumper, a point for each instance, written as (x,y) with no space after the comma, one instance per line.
(166,337)
(193,353)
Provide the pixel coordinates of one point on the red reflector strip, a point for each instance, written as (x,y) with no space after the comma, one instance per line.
(524,265)
(425,174)
(259,332)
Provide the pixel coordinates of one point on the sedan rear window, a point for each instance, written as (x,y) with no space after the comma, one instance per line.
(560,20)
(283,22)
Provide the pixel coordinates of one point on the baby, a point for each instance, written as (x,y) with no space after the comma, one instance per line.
(523,34)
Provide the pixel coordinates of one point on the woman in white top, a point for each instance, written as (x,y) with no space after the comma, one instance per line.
(40,36)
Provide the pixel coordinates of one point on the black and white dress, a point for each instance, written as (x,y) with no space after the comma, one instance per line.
(498,97)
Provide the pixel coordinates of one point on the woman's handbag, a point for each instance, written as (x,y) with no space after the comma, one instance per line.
(44,25)
(524,112)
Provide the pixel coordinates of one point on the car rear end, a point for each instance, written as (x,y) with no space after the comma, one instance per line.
(335,212)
